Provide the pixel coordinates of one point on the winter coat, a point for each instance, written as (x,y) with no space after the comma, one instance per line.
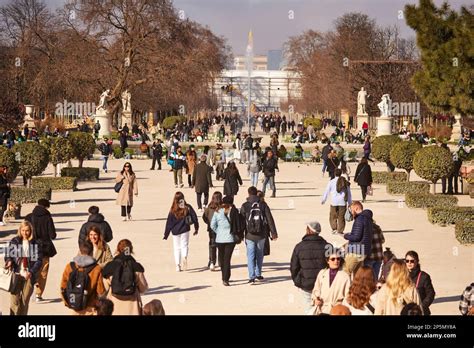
(202,177)
(386,306)
(99,221)
(4,189)
(179,160)
(131,304)
(363,174)
(386,269)
(307,260)
(231,183)
(129,188)
(425,288)
(157,150)
(367,148)
(103,256)
(191,159)
(269,166)
(334,294)
(360,238)
(34,260)
(105,149)
(270,223)
(207,218)
(221,225)
(325,151)
(179,226)
(332,164)
(43,229)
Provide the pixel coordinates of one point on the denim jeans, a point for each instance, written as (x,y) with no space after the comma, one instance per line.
(324,165)
(255,257)
(307,302)
(269,180)
(105,159)
(254,179)
(375,267)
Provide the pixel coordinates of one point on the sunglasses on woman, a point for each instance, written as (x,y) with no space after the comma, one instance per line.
(409,261)
(335,259)
(126,166)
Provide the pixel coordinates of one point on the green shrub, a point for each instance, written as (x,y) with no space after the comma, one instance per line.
(403,187)
(60,183)
(402,155)
(7,157)
(22,195)
(428,200)
(33,158)
(464,231)
(432,163)
(130,151)
(83,146)
(352,155)
(171,121)
(89,174)
(315,122)
(118,152)
(60,151)
(382,146)
(450,215)
(385,177)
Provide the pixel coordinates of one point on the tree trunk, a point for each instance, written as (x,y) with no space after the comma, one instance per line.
(390,167)
(29,182)
(55,170)
(80,162)
(434,187)
(408,175)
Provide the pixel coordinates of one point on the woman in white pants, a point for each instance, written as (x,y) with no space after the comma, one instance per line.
(180,219)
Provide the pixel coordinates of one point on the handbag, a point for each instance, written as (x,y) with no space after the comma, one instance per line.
(118,186)
(370,191)
(348,215)
(11,281)
(188,219)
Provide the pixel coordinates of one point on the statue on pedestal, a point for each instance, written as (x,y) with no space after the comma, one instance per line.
(361,101)
(126,97)
(103,100)
(385,106)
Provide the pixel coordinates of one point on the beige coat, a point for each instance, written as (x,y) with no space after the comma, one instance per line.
(103,256)
(331,295)
(127,305)
(129,188)
(385,306)
(191,158)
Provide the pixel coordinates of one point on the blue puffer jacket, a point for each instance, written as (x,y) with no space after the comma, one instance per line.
(360,238)
(221,226)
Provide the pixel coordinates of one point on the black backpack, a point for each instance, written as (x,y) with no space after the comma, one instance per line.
(123,279)
(75,294)
(256,220)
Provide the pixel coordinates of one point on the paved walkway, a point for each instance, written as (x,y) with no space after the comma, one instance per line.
(199,291)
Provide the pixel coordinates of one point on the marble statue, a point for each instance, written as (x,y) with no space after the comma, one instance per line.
(103,100)
(361,101)
(126,97)
(385,106)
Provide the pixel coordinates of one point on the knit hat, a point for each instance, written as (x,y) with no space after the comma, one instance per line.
(314,226)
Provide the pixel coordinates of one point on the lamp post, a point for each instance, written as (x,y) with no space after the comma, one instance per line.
(249,70)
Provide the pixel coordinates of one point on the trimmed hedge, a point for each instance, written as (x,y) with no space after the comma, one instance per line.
(417,200)
(22,195)
(464,231)
(89,174)
(385,177)
(446,216)
(403,187)
(61,183)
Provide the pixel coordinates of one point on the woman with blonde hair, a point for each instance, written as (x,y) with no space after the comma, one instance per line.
(23,257)
(397,292)
(102,253)
(362,293)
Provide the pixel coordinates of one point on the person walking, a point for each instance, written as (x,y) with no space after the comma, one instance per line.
(220,161)
(125,281)
(332,164)
(227,227)
(238,147)
(24,257)
(326,150)
(375,258)
(360,238)
(339,191)
(179,162)
(216,202)
(332,284)
(466,304)
(101,250)
(365,128)
(95,219)
(258,221)
(96,130)
(180,218)
(191,159)
(127,191)
(398,291)
(82,300)
(232,180)
(44,233)
(269,166)
(254,167)
(4,192)
(367,149)
(105,150)
(157,153)
(202,181)
(362,294)
(123,139)
(421,279)
(363,177)
(307,260)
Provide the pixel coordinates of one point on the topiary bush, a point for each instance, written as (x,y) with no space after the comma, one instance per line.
(83,146)
(118,152)
(86,174)
(385,177)
(450,215)
(315,122)
(22,195)
(32,158)
(402,155)
(404,187)
(60,151)
(432,163)
(464,231)
(7,158)
(171,121)
(428,200)
(61,183)
(381,148)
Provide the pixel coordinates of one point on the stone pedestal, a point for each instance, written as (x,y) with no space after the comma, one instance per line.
(361,119)
(457,129)
(345,117)
(28,119)
(384,125)
(104,120)
(126,118)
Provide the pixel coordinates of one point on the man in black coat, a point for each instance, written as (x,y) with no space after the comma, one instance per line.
(309,257)
(44,232)
(157,150)
(202,181)
(325,155)
(4,192)
(269,166)
(96,219)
